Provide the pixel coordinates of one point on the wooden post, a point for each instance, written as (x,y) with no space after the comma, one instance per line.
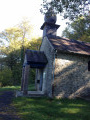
(36,79)
(22,79)
(25,84)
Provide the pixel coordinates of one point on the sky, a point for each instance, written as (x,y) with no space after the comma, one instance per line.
(12,12)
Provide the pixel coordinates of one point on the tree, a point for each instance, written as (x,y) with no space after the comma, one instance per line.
(35,43)
(79,29)
(18,40)
(68,8)
(26,30)
(17,37)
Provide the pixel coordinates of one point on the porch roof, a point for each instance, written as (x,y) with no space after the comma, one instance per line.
(36,59)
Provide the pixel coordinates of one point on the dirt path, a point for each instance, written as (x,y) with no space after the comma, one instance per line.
(7,111)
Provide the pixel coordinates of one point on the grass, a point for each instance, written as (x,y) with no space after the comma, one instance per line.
(48,109)
(8,88)
(30,88)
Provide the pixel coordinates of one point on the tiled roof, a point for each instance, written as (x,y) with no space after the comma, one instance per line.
(69,45)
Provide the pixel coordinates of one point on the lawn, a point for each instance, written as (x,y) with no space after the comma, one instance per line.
(6,88)
(50,109)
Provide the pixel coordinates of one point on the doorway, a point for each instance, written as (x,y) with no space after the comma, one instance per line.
(31,80)
(35,81)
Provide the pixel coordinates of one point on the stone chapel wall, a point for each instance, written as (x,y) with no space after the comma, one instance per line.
(72,77)
(49,69)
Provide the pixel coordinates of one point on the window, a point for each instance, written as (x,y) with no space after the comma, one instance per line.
(89,66)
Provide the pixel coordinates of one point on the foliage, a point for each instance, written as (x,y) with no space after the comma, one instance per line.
(12,54)
(6,77)
(79,29)
(17,36)
(52,109)
(35,43)
(12,59)
(68,8)
(16,73)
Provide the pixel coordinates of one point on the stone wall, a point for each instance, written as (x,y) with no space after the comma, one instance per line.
(49,69)
(72,77)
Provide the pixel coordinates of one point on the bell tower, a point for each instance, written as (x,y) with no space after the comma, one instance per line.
(49,27)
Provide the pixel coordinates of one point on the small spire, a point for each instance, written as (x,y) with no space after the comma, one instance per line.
(50,16)
(49,27)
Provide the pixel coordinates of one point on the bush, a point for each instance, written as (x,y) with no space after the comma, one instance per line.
(17,73)
(6,77)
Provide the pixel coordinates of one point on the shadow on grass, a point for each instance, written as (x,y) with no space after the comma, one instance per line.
(47,109)
(50,109)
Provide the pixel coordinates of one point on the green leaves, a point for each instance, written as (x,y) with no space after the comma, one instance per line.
(12,54)
(6,77)
(79,29)
(70,8)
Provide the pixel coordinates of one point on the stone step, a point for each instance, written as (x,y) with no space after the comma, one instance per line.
(35,95)
(30,94)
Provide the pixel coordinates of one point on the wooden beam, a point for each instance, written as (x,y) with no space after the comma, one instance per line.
(22,79)
(25,83)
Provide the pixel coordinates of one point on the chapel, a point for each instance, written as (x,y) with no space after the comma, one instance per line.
(62,65)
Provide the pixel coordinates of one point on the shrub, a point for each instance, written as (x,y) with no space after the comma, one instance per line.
(17,73)
(6,77)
